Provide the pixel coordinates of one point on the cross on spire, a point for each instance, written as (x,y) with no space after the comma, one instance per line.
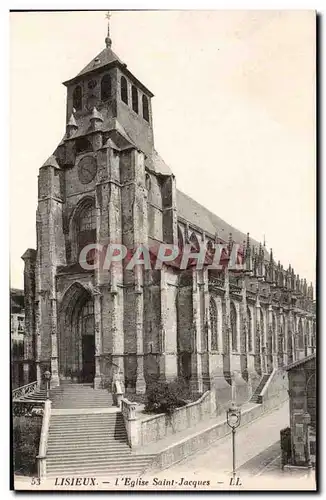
(108,41)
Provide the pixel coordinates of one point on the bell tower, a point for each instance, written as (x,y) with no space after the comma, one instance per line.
(105,96)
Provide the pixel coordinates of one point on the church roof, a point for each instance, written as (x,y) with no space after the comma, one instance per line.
(106,59)
(196,214)
(107,56)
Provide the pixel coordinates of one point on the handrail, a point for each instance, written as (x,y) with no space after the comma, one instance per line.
(41,458)
(24,390)
(268,382)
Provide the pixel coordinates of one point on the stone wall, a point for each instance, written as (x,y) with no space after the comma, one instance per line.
(158,427)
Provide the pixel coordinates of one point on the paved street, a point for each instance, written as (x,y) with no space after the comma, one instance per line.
(258,459)
(251,440)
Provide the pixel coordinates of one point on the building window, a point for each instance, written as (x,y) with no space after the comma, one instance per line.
(195,246)
(77,98)
(124,90)
(213,319)
(233,317)
(86,229)
(300,335)
(262,327)
(145,108)
(148,182)
(83,145)
(20,323)
(249,329)
(106,88)
(134,95)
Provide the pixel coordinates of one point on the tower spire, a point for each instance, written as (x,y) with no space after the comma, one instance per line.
(108,41)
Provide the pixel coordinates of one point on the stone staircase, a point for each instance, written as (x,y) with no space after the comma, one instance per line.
(74,396)
(91,444)
(256,398)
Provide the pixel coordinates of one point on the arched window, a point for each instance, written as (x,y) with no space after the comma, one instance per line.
(249,329)
(86,227)
(300,335)
(193,240)
(148,182)
(145,108)
(262,327)
(233,317)
(213,320)
(83,145)
(77,98)
(124,90)
(106,87)
(134,95)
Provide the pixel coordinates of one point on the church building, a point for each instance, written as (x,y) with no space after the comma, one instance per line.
(106,183)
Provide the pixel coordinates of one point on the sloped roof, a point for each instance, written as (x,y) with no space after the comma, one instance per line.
(299,362)
(194,213)
(105,57)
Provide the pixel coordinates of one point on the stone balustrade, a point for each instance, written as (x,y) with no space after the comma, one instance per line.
(41,458)
(143,431)
(23,391)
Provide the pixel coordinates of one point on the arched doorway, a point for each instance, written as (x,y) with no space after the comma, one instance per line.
(77,335)
(87,341)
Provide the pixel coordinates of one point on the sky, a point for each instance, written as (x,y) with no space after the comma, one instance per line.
(233,112)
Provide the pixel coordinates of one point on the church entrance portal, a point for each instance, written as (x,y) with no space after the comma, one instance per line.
(77,338)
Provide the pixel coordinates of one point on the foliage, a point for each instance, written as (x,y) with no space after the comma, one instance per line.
(25,443)
(285,437)
(165,397)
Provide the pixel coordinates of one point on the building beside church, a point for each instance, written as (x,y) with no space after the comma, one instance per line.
(17,331)
(105,182)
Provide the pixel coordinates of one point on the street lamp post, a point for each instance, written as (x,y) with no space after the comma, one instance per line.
(47,376)
(233,417)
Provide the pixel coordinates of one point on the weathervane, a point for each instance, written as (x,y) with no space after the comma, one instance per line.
(108,41)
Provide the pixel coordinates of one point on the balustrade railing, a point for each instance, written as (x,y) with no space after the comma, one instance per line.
(23,391)
(28,408)
(41,458)
(216,281)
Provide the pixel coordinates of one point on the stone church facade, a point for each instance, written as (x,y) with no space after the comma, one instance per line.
(105,182)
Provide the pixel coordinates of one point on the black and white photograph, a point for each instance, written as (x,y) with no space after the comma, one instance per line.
(163,306)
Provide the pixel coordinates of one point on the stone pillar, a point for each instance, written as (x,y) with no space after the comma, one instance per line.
(98,338)
(196,365)
(244,334)
(270,340)
(281,340)
(168,344)
(29,259)
(54,345)
(139,300)
(208,330)
(258,339)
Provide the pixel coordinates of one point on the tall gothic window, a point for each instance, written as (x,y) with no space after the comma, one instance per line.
(193,240)
(145,108)
(124,90)
(106,87)
(262,327)
(233,317)
(86,226)
(300,335)
(213,320)
(77,98)
(249,329)
(134,96)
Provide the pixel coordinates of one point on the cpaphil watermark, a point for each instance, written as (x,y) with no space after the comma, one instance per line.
(104,256)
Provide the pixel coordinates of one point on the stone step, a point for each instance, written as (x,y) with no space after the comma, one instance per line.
(95,453)
(105,471)
(122,448)
(78,460)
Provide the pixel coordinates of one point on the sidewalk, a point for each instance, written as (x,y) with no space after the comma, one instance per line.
(251,439)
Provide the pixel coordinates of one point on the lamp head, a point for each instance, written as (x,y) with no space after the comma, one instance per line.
(47,375)
(233,416)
